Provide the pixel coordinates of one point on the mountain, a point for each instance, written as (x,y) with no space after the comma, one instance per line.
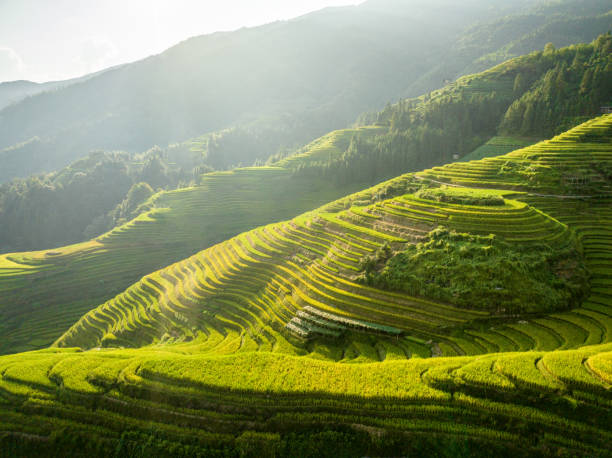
(434,280)
(274,343)
(339,267)
(531,97)
(59,285)
(289,82)
(88,197)
(12,92)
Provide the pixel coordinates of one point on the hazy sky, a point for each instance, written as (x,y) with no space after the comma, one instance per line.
(46,40)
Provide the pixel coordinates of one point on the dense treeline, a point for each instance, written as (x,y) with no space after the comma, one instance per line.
(579,83)
(534,95)
(241,146)
(537,95)
(484,271)
(89,197)
(285,83)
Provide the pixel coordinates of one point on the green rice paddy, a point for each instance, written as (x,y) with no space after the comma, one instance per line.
(253,339)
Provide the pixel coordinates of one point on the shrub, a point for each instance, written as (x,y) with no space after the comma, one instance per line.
(485,272)
(461,196)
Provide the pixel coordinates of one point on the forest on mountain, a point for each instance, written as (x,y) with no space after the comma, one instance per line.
(90,196)
(537,95)
(283,81)
(374,230)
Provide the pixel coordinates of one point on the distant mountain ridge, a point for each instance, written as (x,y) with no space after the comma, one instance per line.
(289,81)
(12,92)
(408,136)
(493,112)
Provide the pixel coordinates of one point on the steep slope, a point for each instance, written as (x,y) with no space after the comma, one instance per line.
(414,133)
(223,377)
(288,81)
(12,92)
(560,23)
(537,95)
(508,106)
(303,275)
(57,286)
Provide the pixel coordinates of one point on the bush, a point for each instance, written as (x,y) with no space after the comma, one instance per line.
(484,272)
(461,196)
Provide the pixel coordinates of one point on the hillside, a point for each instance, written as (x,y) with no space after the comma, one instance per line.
(411,134)
(561,23)
(72,205)
(59,285)
(12,92)
(304,275)
(15,91)
(214,83)
(89,197)
(269,344)
(529,97)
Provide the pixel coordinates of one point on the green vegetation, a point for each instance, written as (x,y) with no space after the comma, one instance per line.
(556,166)
(73,205)
(64,283)
(458,119)
(265,344)
(87,198)
(299,279)
(463,196)
(497,146)
(175,405)
(77,277)
(484,326)
(485,272)
(579,82)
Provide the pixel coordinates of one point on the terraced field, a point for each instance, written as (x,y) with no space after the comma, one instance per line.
(300,276)
(165,404)
(328,147)
(43,293)
(297,275)
(269,344)
(577,162)
(298,279)
(497,146)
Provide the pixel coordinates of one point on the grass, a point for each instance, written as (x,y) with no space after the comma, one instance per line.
(299,277)
(498,146)
(64,283)
(185,396)
(257,341)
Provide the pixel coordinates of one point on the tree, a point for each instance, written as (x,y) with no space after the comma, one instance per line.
(587,81)
(549,49)
(154,172)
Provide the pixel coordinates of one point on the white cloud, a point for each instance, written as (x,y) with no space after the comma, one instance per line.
(11,65)
(97,53)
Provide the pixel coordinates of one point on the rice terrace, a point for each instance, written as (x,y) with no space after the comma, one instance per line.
(431,276)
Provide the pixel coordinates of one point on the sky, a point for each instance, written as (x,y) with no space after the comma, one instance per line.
(50,40)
